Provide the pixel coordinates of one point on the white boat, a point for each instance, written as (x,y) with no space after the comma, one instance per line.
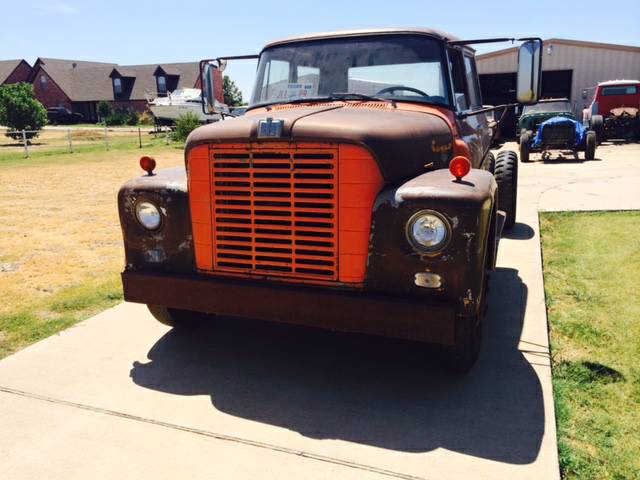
(181,101)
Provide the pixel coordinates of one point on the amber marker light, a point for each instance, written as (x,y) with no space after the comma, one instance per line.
(459,167)
(148,164)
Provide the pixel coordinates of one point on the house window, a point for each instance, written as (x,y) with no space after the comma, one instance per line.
(44,83)
(117,86)
(162,84)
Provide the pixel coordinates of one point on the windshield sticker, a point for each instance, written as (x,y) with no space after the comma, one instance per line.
(292,91)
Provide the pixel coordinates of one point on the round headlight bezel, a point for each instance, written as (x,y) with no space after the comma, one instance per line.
(146,204)
(419,247)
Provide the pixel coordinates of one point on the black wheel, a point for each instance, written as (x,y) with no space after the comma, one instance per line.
(174,317)
(596,124)
(461,357)
(490,160)
(525,146)
(590,145)
(506,175)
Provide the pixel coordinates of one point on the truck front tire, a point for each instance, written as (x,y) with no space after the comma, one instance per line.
(463,355)
(174,317)
(590,145)
(506,175)
(525,146)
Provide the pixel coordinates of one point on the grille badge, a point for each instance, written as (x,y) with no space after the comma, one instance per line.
(270,128)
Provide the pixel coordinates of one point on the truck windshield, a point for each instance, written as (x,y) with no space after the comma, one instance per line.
(543,107)
(395,67)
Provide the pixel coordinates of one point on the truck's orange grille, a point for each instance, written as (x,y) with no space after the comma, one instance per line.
(275,212)
(273,209)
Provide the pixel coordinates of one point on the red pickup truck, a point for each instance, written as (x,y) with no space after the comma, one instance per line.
(615,110)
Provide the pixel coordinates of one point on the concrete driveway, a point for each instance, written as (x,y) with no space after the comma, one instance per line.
(120,396)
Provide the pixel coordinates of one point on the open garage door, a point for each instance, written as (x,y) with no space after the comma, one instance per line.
(499,88)
(557,84)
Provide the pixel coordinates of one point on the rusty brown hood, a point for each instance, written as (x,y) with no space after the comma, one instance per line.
(404,143)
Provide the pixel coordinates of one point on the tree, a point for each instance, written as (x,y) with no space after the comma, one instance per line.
(20,110)
(232,94)
(104,109)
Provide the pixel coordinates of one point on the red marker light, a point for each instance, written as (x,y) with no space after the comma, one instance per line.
(148,164)
(459,167)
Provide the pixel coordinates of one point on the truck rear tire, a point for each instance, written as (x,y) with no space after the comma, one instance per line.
(596,124)
(491,162)
(506,175)
(525,146)
(590,145)
(174,317)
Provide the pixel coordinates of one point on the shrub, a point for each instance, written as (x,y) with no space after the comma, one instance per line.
(185,124)
(104,109)
(132,117)
(146,118)
(122,116)
(19,110)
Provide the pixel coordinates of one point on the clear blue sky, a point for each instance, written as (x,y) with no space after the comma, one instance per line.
(141,31)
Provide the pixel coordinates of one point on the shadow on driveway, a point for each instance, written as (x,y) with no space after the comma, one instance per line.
(374,391)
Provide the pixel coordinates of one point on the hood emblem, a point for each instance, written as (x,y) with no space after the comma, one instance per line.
(270,128)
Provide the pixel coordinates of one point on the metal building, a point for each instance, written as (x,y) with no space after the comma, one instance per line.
(570,68)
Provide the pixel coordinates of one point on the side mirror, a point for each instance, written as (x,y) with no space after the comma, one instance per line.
(585,94)
(529,71)
(210,79)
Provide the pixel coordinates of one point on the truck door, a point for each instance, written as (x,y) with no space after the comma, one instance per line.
(474,129)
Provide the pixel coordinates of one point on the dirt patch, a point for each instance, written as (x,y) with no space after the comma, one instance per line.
(59,222)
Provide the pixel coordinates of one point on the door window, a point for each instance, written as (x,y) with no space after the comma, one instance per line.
(457,78)
(471,76)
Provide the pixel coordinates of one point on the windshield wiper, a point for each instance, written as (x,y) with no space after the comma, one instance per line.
(294,100)
(357,96)
(332,96)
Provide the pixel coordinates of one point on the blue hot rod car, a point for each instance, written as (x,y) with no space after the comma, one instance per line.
(558,133)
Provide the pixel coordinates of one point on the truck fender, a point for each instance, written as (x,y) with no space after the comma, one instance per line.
(469,207)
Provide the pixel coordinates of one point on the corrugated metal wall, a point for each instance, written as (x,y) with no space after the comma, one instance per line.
(590,65)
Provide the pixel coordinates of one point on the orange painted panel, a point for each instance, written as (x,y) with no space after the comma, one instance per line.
(200,212)
(200,205)
(354,219)
(354,242)
(199,191)
(352,268)
(204,259)
(359,183)
(202,233)
(198,166)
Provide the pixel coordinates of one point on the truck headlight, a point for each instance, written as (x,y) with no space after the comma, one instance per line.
(148,215)
(428,231)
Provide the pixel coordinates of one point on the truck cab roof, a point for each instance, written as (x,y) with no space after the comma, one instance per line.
(438,34)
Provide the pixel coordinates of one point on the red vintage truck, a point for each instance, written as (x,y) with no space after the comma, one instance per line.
(357,193)
(614,112)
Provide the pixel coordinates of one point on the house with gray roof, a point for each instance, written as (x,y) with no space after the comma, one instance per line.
(80,85)
(14,71)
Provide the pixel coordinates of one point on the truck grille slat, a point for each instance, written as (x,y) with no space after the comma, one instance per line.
(275,212)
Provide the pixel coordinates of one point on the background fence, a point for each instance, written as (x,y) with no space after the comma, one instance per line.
(69,139)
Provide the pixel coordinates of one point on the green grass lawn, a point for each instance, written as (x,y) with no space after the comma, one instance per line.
(592,276)
(37,320)
(60,241)
(40,156)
